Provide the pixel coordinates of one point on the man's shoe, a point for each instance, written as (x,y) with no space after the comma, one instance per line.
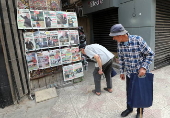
(138,115)
(126,113)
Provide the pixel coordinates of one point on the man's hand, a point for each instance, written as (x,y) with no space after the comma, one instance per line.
(142,72)
(100,71)
(122,76)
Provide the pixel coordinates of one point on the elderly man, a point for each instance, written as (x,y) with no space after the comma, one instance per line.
(135,56)
(103,59)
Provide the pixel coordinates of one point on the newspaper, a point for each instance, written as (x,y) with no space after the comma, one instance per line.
(76,55)
(73,37)
(43,59)
(37,39)
(52,37)
(68,72)
(32,61)
(54,5)
(24,19)
(78,70)
(63,36)
(55,57)
(61,19)
(23,4)
(29,41)
(72,19)
(38,4)
(43,43)
(50,19)
(37,18)
(66,55)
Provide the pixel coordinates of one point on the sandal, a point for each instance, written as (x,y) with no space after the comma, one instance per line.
(108,90)
(97,93)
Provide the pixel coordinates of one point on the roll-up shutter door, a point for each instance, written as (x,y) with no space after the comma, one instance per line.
(162,41)
(102,22)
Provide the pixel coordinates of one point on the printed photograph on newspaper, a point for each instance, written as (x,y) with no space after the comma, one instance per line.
(50,19)
(76,55)
(63,36)
(78,70)
(61,19)
(37,18)
(66,55)
(29,41)
(54,5)
(32,61)
(68,72)
(72,19)
(24,19)
(37,39)
(43,59)
(55,57)
(73,37)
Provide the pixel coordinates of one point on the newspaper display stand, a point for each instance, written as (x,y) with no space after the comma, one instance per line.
(51,39)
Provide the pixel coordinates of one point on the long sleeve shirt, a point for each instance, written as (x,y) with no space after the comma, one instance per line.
(134,54)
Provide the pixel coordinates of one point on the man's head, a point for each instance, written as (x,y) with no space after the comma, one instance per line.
(118,33)
(82,47)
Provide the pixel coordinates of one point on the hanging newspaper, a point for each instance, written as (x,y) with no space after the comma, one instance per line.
(76,55)
(55,57)
(38,4)
(61,19)
(74,37)
(63,36)
(78,70)
(68,72)
(37,39)
(43,59)
(43,43)
(32,61)
(72,19)
(66,55)
(24,19)
(52,38)
(50,19)
(29,41)
(54,5)
(37,18)
(23,4)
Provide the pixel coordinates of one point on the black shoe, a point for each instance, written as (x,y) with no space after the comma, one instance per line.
(126,112)
(138,115)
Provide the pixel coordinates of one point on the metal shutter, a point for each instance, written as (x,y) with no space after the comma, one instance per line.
(162,32)
(102,22)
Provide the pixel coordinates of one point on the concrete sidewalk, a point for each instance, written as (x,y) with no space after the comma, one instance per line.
(78,101)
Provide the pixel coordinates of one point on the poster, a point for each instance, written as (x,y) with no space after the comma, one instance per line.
(32,61)
(72,19)
(66,55)
(54,5)
(38,4)
(29,41)
(73,37)
(76,55)
(37,18)
(78,70)
(68,72)
(23,4)
(50,19)
(24,19)
(61,19)
(43,59)
(63,36)
(55,57)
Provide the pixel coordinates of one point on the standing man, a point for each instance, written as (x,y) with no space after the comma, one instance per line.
(103,59)
(135,56)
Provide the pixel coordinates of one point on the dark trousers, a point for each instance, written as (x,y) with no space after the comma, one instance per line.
(107,72)
(127,94)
